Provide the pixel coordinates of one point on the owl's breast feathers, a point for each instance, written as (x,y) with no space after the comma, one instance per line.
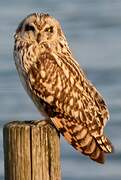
(72,102)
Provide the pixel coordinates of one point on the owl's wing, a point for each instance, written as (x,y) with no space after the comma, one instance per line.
(63,85)
(78,107)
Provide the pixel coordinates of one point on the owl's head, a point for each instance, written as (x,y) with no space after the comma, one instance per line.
(39,28)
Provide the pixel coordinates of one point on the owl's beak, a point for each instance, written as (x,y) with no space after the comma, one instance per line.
(38,38)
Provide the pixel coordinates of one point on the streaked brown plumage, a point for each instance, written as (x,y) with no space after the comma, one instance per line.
(58,86)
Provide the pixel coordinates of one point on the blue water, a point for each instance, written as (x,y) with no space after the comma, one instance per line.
(93,29)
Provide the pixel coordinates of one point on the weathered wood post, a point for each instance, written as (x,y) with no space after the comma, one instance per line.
(31,151)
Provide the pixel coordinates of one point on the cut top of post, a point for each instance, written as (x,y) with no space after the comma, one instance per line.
(31,151)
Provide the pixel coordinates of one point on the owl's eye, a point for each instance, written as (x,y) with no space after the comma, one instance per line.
(49,29)
(29,27)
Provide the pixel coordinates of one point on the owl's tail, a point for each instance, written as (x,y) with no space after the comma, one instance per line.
(79,137)
(104,146)
(104,143)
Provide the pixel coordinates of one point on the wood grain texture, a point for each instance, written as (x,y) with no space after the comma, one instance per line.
(31,151)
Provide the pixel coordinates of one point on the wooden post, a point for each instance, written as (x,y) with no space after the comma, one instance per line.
(31,151)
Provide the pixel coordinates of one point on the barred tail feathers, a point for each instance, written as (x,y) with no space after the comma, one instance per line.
(79,137)
(104,144)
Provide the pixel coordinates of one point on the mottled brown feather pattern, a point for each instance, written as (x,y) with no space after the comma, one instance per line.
(58,86)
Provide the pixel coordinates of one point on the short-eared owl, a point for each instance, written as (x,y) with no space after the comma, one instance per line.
(59,87)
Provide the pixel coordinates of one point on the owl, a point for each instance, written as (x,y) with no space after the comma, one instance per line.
(59,87)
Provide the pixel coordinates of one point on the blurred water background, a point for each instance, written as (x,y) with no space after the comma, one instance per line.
(93,29)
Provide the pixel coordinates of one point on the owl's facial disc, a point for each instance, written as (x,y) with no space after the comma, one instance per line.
(38,28)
